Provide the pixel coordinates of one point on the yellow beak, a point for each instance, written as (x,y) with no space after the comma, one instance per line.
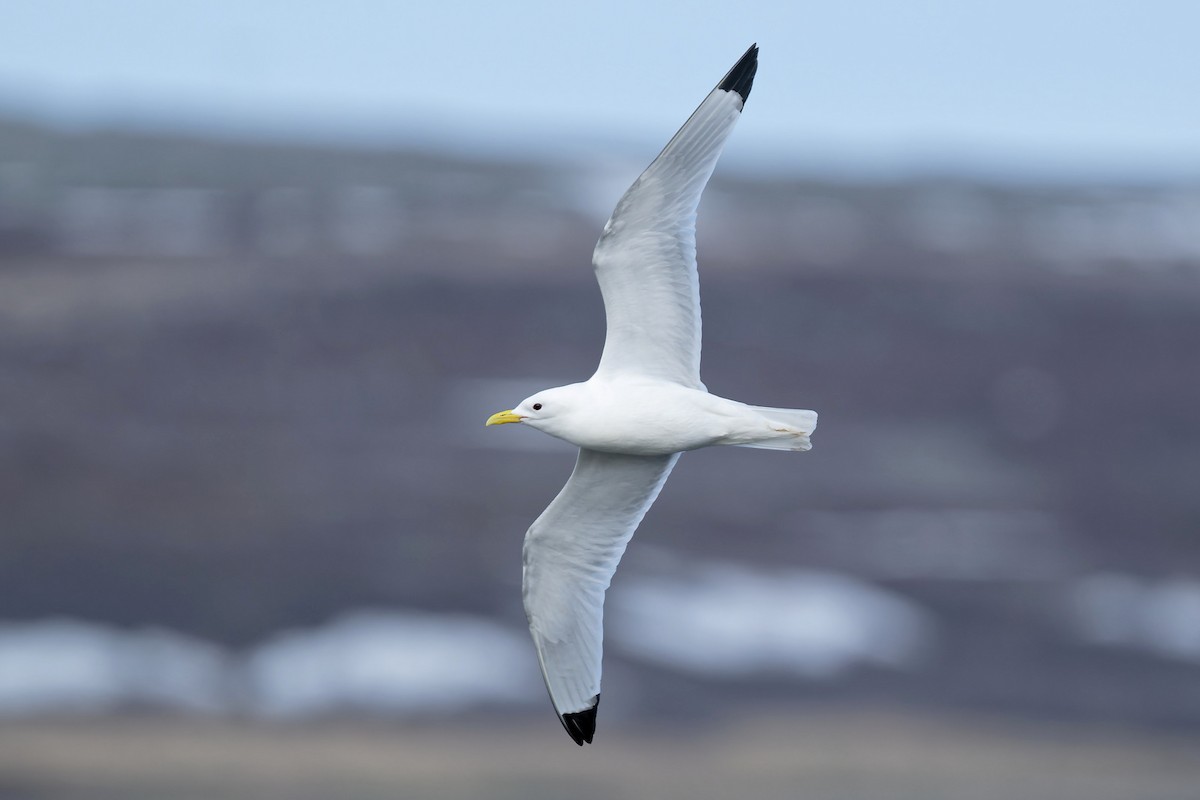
(503,417)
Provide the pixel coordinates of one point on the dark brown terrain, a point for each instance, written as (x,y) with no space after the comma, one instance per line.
(243,389)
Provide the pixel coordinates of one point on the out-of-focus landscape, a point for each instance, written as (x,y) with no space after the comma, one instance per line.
(256,542)
(245,475)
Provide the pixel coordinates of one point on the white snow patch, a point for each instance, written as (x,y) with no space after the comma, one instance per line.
(382,662)
(732,621)
(1159,616)
(65,665)
(392,662)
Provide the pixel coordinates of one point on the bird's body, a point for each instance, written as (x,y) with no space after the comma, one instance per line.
(644,416)
(643,407)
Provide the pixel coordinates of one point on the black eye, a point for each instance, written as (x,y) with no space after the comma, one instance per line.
(537,406)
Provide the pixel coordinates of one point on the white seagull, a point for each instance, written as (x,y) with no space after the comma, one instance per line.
(643,407)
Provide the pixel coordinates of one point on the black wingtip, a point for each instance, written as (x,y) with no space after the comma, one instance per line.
(741,77)
(581,725)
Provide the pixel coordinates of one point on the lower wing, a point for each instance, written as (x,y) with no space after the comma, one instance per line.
(571,553)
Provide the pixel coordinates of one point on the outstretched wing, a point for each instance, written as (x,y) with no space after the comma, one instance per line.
(571,553)
(646,258)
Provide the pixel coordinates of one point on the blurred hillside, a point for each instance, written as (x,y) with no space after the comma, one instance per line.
(243,388)
(125,195)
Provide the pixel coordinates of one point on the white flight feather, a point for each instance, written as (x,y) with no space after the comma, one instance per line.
(646,258)
(571,553)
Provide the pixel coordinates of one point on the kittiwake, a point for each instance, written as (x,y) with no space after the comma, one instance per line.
(644,405)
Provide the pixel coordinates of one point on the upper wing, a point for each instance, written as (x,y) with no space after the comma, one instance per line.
(646,258)
(571,553)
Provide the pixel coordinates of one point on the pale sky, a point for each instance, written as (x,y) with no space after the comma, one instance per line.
(1059,85)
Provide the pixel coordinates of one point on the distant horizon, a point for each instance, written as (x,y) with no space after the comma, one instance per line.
(757,160)
(1064,89)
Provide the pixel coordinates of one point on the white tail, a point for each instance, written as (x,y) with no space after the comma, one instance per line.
(790,429)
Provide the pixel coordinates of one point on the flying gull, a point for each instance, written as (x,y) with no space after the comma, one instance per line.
(643,407)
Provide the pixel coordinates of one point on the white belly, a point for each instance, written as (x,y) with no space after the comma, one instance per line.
(653,418)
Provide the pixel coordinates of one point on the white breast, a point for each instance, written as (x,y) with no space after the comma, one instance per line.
(644,417)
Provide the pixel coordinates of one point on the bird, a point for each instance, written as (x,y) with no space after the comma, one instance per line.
(642,408)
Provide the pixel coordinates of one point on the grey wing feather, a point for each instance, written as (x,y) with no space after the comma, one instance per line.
(646,258)
(571,552)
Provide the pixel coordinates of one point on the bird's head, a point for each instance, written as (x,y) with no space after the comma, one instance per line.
(544,410)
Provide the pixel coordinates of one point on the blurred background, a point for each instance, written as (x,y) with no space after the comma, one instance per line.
(265,269)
